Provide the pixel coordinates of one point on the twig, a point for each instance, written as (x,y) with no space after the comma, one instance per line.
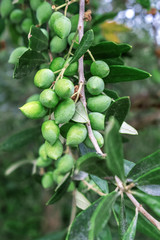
(63,5)
(82,78)
(94,189)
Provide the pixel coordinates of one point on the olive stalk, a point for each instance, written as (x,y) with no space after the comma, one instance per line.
(82,78)
(64,5)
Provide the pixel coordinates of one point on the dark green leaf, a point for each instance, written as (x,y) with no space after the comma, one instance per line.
(114,61)
(65,128)
(128,165)
(54,236)
(119,109)
(92,163)
(111,93)
(101,18)
(131,231)
(104,234)
(123,74)
(114,150)
(102,184)
(81,225)
(102,214)
(84,45)
(27,63)
(60,190)
(37,40)
(20,139)
(145,3)
(122,218)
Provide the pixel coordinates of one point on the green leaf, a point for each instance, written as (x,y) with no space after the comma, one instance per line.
(20,139)
(101,18)
(102,214)
(128,129)
(102,184)
(111,93)
(80,115)
(122,219)
(81,224)
(131,231)
(92,163)
(54,236)
(114,150)
(84,45)
(145,3)
(16,165)
(114,61)
(84,149)
(60,190)
(107,49)
(37,40)
(81,201)
(152,189)
(123,74)
(128,165)
(119,109)
(105,234)
(29,61)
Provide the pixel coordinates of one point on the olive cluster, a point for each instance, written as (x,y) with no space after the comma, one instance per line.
(56,103)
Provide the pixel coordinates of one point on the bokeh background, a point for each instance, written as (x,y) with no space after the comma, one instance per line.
(22,199)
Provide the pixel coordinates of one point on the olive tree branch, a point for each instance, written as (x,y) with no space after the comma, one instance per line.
(82,78)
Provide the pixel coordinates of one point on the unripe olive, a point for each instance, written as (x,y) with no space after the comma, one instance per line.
(99,138)
(35,4)
(57,177)
(98,103)
(33,110)
(34,97)
(71,37)
(100,69)
(57,64)
(45,32)
(47,180)
(62,27)
(50,131)
(76,134)
(95,85)
(71,69)
(64,111)
(40,162)
(49,98)
(6,7)
(54,151)
(74,22)
(58,45)
(97,120)
(65,163)
(16,15)
(53,18)
(44,78)
(44,12)
(26,25)
(16,54)
(64,88)
(42,152)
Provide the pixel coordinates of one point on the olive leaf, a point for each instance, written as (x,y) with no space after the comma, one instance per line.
(131,231)
(80,115)
(81,201)
(37,40)
(102,184)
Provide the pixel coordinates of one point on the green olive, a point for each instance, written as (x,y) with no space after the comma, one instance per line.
(33,110)
(62,27)
(16,15)
(42,152)
(95,85)
(6,7)
(47,180)
(26,25)
(44,78)
(97,120)
(35,4)
(71,69)
(70,39)
(76,134)
(65,163)
(57,177)
(53,18)
(64,111)
(40,162)
(99,138)
(98,103)
(50,131)
(44,12)
(49,98)
(100,69)
(16,54)
(58,45)
(57,64)
(64,88)
(54,151)
(34,97)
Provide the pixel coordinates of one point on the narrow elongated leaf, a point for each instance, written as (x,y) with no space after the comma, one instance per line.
(104,234)
(102,214)
(114,61)
(119,109)
(128,129)
(92,163)
(20,139)
(122,219)
(145,3)
(27,63)
(114,150)
(128,165)
(80,115)
(131,231)
(101,18)
(111,93)
(37,40)
(54,236)
(152,189)
(60,190)
(81,225)
(124,74)
(84,149)
(16,165)
(102,184)
(81,201)
(84,45)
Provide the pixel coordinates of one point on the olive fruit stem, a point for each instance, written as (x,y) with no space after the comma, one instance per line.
(66,8)
(71,47)
(63,5)
(90,54)
(94,189)
(82,78)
